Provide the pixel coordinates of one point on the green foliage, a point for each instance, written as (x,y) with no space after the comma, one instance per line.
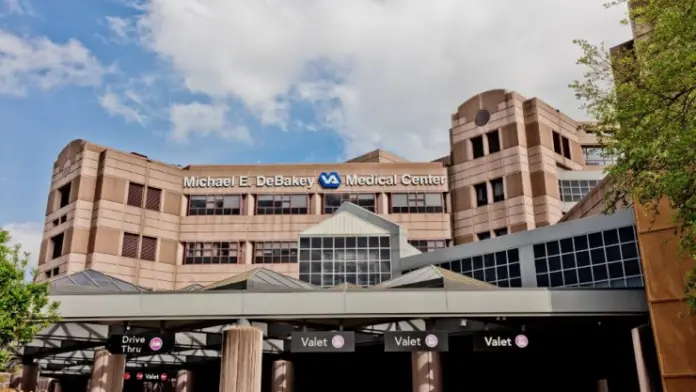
(643,98)
(25,308)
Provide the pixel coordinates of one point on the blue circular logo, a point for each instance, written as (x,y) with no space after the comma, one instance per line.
(330,180)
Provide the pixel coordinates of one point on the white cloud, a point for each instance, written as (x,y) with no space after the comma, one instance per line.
(398,69)
(19,7)
(121,29)
(115,106)
(29,235)
(204,119)
(27,63)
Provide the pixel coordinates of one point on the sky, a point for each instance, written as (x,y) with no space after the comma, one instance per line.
(274,81)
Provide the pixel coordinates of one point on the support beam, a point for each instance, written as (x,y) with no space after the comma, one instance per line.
(241,360)
(283,376)
(426,372)
(107,372)
(29,378)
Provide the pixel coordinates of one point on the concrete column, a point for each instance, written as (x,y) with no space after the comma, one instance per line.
(57,387)
(316,206)
(382,206)
(644,381)
(603,385)
(426,372)
(184,381)
(107,372)
(242,348)
(283,376)
(29,377)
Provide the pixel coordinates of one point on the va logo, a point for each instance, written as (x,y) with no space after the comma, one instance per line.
(330,180)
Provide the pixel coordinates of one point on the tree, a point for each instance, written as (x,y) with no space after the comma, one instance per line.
(644,100)
(25,308)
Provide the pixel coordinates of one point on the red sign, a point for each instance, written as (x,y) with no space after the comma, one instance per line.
(164,376)
(126,376)
(139,376)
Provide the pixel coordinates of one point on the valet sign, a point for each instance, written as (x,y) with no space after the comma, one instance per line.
(399,341)
(140,344)
(503,341)
(323,342)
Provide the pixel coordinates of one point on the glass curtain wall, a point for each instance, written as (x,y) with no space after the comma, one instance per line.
(360,260)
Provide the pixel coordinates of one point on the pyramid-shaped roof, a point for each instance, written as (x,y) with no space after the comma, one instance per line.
(432,276)
(345,287)
(90,280)
(345,223)
(260,279)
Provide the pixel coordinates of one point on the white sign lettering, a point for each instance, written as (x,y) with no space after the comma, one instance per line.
(280,181)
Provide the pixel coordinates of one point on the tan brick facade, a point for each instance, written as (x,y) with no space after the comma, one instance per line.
(129,216)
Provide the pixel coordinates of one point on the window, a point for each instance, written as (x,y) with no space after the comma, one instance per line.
(498,190)
(282,204)
(557,143)
(211,253)
(493,141)
(483,235)
(52,272)
(500,232)
(215,205)
(330,261)
(561,145)
(64,195)
(131,243)
(154,198)
(481,194)
(606,258)
(417,203)
(477,146)
(57,245)
(499,268)
(597,156)
(135,194)
(428,245)
(332,201)
(566,147)
(575,190)
(148,250)
(275,252)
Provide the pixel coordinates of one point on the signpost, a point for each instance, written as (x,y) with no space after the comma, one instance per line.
(144,375)
(406,341)
(322,342)
(149,344)
(501,341)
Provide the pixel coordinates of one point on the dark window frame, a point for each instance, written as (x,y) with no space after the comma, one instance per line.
(498,196)
(275,252)
(481,197)
(153,198)
(57,245)
(134,199)
(477,147)
(426,246)
(64,195)
(359,199)
(493,139)
(215,205)
(128,249)
(417,203)
(147,242)
(213,252)
(278,202)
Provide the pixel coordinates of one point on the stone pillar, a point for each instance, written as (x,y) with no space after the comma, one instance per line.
(426,372)
(57,387)
(29,377)
(242,348)
(184,381)
(644,381)
(107,372)
(283,376)
(603,385)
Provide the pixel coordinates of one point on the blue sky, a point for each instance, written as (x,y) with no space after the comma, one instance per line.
(243,81)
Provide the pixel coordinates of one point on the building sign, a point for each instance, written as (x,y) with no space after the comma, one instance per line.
(146,376)
(245,182)
(399,341)
(322,342)
(140,344)
(331,180)
(500,341)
